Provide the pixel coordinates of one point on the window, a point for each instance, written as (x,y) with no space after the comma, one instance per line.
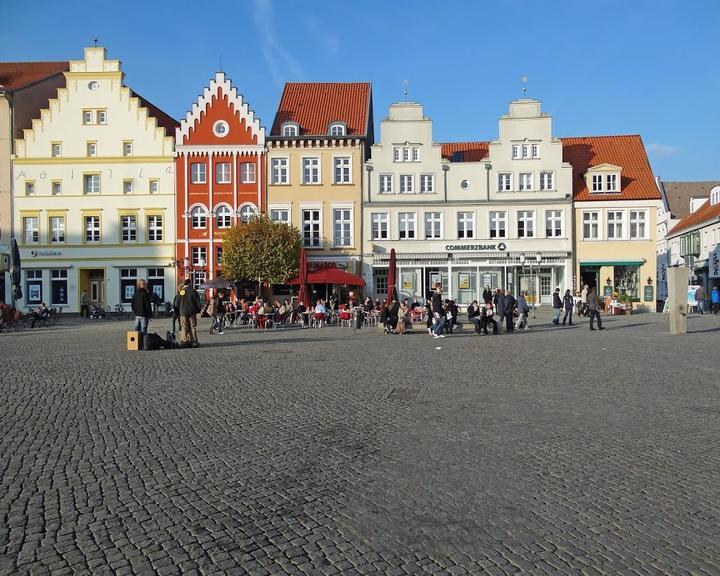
(504,182)
(222,173)
(127,148)
(615,224)
(342,170)
(547,181)
(407,184)
(91,183)
(154,186)
(29,188)
(101,117)
(526,224)
(406,154)
(406,225)
(91,149)
(92,229)
(199,255)
(129,228)
(337,129)
(280,215)
(247,213)
(223,216)
(397,154)
(56,187)
(526,150)
(127,186)
(416,154)
(247,172)
(638,230)
(87,117)
(342,227)
(218,255)
(221,129)
(379,225)
(386,183)
(516,151)
(433,225)
(553,223)
(154,228)
(597,182)
(198,217)
(156,282)
(611,183)
(498,222)
(311,170)
(427,183)
(311,228)
(58,287)
(56,150)
(33,286)
(526,182)
(198,173)
(280,171)
(57,229)
(536,151)
(31,230)
(198,278)
(290,130)
(380,279)
(591,225)
(466,224)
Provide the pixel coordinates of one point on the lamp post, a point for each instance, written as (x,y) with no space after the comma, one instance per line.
(488,167)
(522,271)
(538,259)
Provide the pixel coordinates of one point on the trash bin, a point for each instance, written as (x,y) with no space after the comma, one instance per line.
(358,319)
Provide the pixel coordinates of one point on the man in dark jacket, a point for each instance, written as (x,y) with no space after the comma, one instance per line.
(593,304)
(486,317)
(473,312)
(557,306)
(487,295)
(142,308)
(506,306)
(187,302)
(569,305)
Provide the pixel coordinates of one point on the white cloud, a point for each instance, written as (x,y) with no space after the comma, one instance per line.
(657,149)
(282,65)
(329,40)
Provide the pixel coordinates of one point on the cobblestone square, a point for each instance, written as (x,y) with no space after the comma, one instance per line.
(553,451)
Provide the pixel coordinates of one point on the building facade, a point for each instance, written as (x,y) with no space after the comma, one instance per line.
(469,214)
(316,153)
(220,167)
(94,192)
(25,89)
(616,206)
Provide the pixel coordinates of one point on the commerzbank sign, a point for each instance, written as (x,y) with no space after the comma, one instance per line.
(500,247)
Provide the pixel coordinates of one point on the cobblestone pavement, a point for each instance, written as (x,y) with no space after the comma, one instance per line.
(555,451)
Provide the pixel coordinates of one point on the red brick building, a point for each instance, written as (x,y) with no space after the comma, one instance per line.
(220,176)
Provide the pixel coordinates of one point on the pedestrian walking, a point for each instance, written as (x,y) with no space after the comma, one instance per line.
(521,323)
(142,308)
(700,296)
(215,311)
(84,301)
(187,302)
(715,299)
(583,300)
(569,305)
(439,314)
(593,304)
(557,307)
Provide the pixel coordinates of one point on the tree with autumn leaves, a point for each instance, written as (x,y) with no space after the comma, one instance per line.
(261,250)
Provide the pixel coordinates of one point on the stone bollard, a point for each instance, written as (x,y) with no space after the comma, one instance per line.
(677,279)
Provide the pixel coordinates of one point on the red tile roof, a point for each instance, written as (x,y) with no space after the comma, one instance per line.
(17,75)
(314,105)
(465,151)
(636,179)
(705,213)
(164,120)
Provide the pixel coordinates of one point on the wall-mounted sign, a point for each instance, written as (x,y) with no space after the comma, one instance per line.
(649,294)
(714,263)
(36,253)
(500,247)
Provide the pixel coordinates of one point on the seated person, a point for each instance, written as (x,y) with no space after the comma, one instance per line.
(392,316)
(39,313)
(300,312)
(473,312)
(321,313)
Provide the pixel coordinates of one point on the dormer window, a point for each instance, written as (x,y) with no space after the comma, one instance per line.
(611,183)
(337,129)
(603,179)
(290,129)
(715,196)
(597,182)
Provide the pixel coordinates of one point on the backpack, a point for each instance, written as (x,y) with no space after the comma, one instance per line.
(154,342)
(171,341)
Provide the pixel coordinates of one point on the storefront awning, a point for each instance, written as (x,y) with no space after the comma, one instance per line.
(612,262)
(330,276)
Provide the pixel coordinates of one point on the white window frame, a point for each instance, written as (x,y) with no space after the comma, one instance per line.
(87,117)
(154,228)
(516,151)
(397,154)
(31,226)
(637,221)
(407,225)
(154,186)
(91,149)
(383,180)
(527,217)
(198,254)
(611,183)
(525,183)
(615,227)
(379,226)
(591,220)
(128,227)
(547,180)
(128,186)
(465,225)
(247,212)
(505,182)
(277,212)
(406,154)
(279,170)
(57,227)
(127,148)
(56,187)
(223,216)
(535,150)
(96,229)
(337,129)
(56,150)
(345,220)
(427,183)
(406,179)
(597,182)
(91,183)
(30,188)
(311,170)
(554,223)
(198,217)
(342,170)
(500,218)
(315,238)
(223,173)
(290,130)
(247,173)
(416,154)
(525,151)
(433,224)
(101,117)
(198,172)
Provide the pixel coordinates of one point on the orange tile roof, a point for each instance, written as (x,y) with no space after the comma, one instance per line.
(465,151)
(636,179)
(703,214)
(314,105)
(17,75)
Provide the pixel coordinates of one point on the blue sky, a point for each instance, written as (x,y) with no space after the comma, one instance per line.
(599,66)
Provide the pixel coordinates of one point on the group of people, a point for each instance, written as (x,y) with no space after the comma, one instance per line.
(701,298)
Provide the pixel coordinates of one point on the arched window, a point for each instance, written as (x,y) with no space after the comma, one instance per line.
(337,129)
(198,217)
(247,213)
(290,129)
(223,216)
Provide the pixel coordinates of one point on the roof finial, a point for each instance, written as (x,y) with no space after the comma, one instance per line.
(524,81)
(95,41)
(405,88)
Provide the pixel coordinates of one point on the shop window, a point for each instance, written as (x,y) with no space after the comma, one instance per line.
(128,281)
(33,286)
(627,281)
(58,287)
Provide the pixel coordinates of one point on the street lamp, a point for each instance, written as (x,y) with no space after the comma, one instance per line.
(488,167)
(538,259)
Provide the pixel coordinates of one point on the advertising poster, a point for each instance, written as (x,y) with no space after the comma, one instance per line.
(463,281)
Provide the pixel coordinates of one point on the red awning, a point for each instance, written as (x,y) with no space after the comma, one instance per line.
(330,276)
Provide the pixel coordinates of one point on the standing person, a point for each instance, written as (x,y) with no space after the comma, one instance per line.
(438,312)
(715,299)
(430,321)
(84,301)
(487,295)
(569,305)
(700,296)
(142,308)
(583,300)
(523,309)
(175,312)
(557,307)
(509,307)
(593,304)
(473,312)
(155,299)
(403,317)
(187,302)
(216,311)
(391,316)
